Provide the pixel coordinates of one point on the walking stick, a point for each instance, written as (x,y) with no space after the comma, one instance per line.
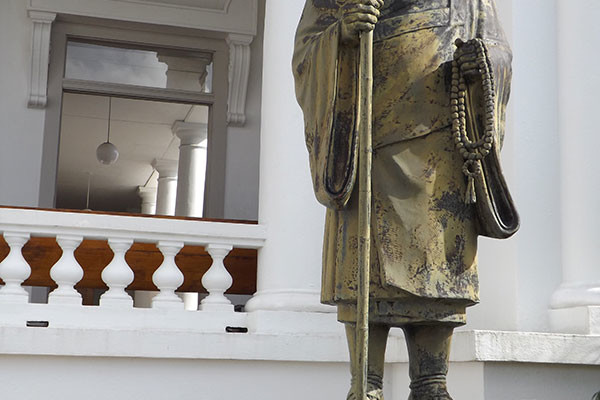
(365,96)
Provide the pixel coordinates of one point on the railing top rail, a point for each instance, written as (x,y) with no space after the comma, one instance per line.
(140,228)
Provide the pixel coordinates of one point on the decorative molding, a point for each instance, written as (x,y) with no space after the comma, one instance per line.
(239,71)
(220,6)
(40,57)
(225,16)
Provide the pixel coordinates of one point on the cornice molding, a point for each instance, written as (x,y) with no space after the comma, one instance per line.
(220,6)
(225,16)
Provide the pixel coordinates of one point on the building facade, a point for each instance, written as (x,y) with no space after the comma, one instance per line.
(535,335)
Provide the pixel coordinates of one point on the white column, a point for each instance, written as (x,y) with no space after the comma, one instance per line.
(148,196)
(192,168)
(579,84)
(289,265)
(166,192)
(187,73)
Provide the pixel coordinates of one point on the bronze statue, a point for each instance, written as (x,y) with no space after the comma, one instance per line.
(441,73)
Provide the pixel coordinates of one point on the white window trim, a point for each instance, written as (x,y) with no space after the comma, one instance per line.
(235,19)
(214,198)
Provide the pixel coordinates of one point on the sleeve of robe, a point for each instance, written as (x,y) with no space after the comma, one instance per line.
(324,72)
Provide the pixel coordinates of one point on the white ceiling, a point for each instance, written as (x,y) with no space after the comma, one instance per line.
(141,131)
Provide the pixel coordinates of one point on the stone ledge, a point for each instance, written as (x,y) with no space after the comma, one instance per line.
(299,346)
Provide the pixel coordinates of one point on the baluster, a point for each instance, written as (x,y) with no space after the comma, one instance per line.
(66,273)
(14,270)
(117,275)
(168,277)
(217,280)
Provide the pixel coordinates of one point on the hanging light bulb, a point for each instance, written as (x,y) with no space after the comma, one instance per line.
(107,152)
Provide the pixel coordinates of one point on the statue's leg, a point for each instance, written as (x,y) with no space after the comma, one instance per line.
(428,351)
(377,341)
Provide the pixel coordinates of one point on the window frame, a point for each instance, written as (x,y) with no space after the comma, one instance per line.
(153,36)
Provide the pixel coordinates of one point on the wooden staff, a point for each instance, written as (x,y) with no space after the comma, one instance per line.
(365,102)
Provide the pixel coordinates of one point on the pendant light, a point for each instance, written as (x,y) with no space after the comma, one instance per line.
(107,152)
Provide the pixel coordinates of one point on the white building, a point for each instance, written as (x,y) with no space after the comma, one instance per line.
(214,78)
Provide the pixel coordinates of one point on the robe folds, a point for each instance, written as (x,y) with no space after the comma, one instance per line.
(424,236)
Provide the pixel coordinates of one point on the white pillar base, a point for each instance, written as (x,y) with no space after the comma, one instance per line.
(288,300)
(576,294)
(575,308)
(576,320)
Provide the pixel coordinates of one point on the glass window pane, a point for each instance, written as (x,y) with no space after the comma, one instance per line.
(142,131)
(158,68)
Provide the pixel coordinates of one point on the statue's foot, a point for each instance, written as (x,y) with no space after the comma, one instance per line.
(374,388)
(376,394)
(433,391)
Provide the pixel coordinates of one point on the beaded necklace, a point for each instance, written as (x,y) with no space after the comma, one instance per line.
(473,151)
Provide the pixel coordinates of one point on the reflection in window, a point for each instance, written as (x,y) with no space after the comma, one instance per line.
(143,132)
(158,68)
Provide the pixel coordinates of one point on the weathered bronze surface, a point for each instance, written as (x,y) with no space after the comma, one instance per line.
(438,125)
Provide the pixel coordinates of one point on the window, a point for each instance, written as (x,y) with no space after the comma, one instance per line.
(137,89)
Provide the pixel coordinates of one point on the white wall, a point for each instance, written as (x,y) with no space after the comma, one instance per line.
(514,381)
(20,127)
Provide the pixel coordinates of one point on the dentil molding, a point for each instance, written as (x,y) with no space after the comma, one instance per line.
(40,56)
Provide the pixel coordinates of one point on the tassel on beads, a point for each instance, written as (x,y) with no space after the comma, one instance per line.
(471,194)
(473,150)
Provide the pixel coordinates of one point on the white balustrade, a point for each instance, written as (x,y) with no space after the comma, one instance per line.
(117,275)
(116,309)
(217,280)
(14,269)
(168,277)
(66,272)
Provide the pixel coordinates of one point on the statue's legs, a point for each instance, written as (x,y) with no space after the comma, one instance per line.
(428,351)
(377,341)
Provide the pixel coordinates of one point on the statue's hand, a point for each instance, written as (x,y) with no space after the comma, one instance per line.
(358,16)
(466,57)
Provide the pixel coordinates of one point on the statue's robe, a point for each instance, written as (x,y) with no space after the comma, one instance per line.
(424,236)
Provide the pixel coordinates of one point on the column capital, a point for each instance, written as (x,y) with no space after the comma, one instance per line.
(165,168)
(190,133)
